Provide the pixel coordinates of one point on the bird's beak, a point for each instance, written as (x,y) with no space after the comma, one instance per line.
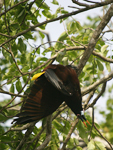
(37,75)
(83,119)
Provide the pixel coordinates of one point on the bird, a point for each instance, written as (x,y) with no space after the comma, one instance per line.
(53,86)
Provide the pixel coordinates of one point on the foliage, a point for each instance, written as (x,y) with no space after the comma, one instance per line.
(107,125)
(19,61)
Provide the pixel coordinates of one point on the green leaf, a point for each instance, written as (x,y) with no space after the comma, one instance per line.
(91,145)
(55,2)
(18,86)
(108,66)
(12,88)
(45,6)
(47,14)
(96,145)
(42,35)
(99,145)
(73,27)
(14,48)
(58,125)
(82,131)
(28,35)
(14,26)
(76,141)
(21,45)
(21,13)
(79,148)
(62,36)
(60,56)
(100,65)
(103,48)
(25,69)
(78,25)
(65,61)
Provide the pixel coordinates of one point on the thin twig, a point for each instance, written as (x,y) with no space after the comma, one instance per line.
(24,127)
(69,134)
(12,55)
(98,96)
(103,137)
(10,93)
(92,123)
(13,7)
(94,85)
(88,99)
(48,134)
(28,132)
(79,3)
(15,96)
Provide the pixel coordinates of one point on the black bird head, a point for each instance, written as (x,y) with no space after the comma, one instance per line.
(73,67)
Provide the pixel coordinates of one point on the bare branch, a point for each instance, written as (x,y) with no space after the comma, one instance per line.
(94,53)
(11,94)
(91,1)
(24,127)
(102,57)
(79,3)
(9,36)
(88,99)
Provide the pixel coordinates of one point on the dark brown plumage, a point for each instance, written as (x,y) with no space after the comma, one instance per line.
(56,84)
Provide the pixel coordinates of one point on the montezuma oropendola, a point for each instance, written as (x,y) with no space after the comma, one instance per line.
(57,83)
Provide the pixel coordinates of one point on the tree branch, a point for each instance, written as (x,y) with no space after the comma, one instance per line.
(94,53)
(11,94)
(48,132)
(94,85)
(94,38)
(28,132)
(88,99)
(79,3)
(69,134)
(98,96)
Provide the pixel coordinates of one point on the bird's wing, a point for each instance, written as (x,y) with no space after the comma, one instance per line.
(42,101)
(56,82)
